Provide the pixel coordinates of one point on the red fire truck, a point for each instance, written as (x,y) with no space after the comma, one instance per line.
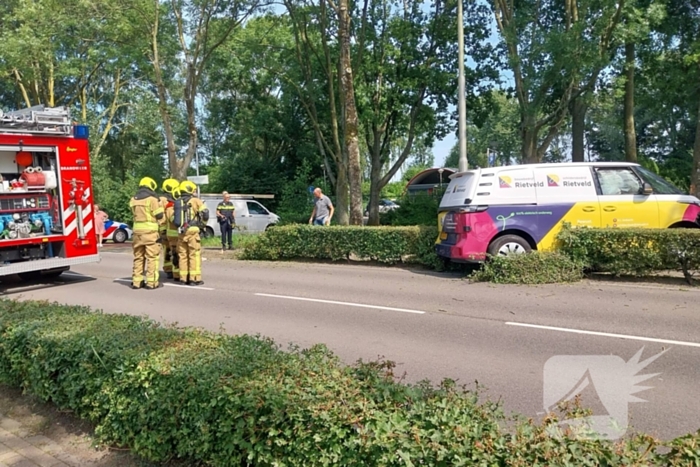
(46,199)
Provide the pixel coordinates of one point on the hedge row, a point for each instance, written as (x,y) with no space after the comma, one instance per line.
(637,252)
(537,267)
(222,400)
(391,245)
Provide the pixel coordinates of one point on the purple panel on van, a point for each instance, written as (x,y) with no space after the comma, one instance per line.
(537,221)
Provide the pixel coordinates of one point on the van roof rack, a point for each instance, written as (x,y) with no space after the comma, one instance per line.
(38,119)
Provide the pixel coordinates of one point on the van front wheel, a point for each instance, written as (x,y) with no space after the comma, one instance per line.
(509,245)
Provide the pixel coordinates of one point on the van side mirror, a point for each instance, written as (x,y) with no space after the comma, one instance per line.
(647,190)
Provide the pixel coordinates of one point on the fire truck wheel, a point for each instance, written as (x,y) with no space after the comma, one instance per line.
(120,236)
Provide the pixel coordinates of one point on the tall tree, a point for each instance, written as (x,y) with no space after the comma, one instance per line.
(629,131)
(406,82)
(183,35)
(556,51)
(351,123)
(640,17)
(69,54)
(317,87)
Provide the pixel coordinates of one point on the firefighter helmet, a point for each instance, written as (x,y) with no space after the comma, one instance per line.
(176,193)
(188,187)
(149,183)
(170,184)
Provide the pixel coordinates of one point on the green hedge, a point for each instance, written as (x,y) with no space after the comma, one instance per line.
(637,252)
(224,400)
(537,267)
(384,244)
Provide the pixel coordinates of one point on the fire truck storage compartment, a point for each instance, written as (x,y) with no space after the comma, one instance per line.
(29,203)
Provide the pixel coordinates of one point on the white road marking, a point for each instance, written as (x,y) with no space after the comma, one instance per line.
(606,334)
(171,285)
(332,302)
(679,288)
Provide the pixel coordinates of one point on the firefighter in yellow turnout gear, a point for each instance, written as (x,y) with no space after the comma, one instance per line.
(148,216)
(169,254)
(190,215)
(172,234)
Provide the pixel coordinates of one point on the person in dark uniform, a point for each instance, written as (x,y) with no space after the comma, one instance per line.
(224,213)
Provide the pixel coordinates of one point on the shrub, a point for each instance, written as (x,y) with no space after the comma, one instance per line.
(225,400)
(389,245)
(633,251)
(536,267)
(415,209)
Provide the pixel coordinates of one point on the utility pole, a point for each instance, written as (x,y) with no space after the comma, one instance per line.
(196,154)
(462,98)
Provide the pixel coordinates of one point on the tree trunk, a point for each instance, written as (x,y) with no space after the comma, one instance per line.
(341,196)
(578,125)
(350,117)
(375,190)
(528,133)
(630,134)
(695,176)
(162,95)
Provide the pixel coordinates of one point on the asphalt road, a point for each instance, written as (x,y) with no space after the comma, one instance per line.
(437,325)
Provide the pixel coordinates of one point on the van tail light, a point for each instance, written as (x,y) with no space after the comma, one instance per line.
(449,223)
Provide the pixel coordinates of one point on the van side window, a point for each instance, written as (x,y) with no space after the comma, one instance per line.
(619,181)
(255,208)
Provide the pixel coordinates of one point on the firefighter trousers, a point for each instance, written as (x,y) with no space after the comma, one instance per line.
(167,254)
(189,248)
(175,254)
(146,258)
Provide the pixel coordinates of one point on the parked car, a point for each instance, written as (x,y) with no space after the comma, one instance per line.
(118,232)
(251,216)
(385,205)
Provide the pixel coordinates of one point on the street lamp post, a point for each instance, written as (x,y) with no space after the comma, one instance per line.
(462,98)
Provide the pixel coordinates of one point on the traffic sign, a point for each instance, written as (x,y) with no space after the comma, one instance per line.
(199,179)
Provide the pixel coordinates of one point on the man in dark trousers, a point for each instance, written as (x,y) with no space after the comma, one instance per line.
(224,213)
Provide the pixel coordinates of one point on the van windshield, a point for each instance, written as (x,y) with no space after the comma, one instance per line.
(659,184)
(458,191)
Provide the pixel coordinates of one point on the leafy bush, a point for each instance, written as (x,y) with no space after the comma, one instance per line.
(240,401)
(536,267)
(636,252)
(415,209)
(389,245)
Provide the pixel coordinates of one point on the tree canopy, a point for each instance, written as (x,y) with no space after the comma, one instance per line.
(274,97)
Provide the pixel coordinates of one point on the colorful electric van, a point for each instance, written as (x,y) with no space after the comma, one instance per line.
(519,208)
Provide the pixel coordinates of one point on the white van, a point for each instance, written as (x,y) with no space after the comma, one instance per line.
(251,216)
(518,208)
